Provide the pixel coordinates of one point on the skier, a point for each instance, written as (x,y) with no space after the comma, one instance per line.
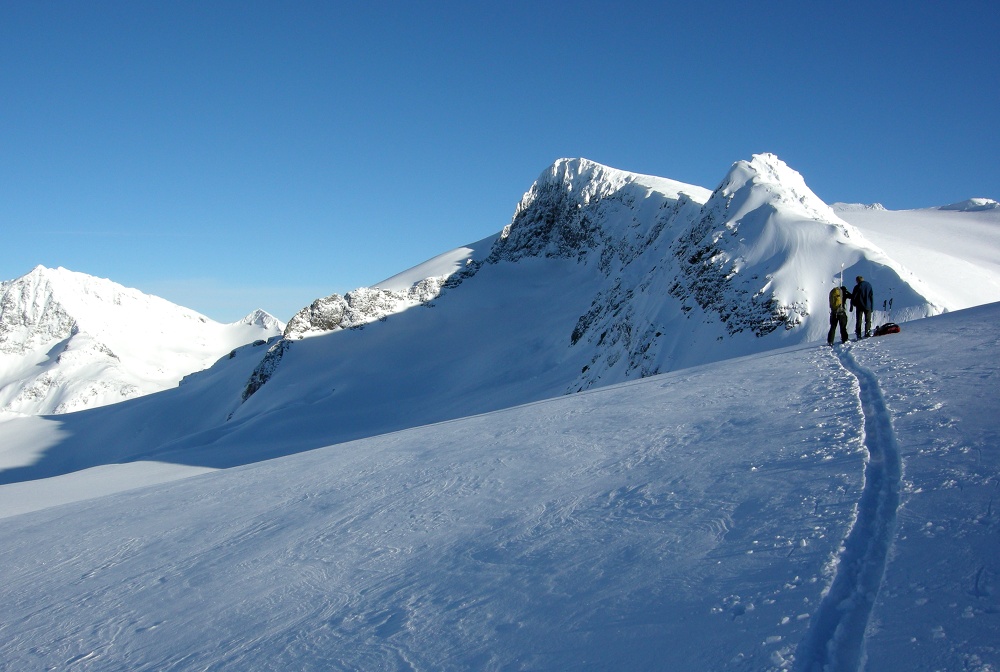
(862,302)
(838,314)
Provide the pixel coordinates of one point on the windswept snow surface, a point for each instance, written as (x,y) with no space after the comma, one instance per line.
(807,508)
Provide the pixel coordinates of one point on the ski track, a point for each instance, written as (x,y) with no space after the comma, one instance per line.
(836,640)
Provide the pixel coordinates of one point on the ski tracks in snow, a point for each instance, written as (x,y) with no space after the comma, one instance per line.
(837,637)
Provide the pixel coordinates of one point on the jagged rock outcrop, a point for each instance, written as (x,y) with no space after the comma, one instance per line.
(714,267)
(335,312)
(268,365)
(358,308)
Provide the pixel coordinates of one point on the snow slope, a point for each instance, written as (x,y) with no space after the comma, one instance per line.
(70,341)
(953,249)
(806,508)
(401,481)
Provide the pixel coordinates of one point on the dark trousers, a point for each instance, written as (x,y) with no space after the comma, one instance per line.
(840,318)
(857,322)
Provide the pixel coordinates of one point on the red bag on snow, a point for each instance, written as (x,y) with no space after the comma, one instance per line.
(887,328)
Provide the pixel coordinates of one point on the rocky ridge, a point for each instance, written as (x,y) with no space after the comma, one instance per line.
(678,265)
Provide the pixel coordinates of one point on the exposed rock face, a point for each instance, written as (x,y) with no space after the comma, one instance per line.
(335,312)
(30,315)
(727,263)
(358,307)
(267,367)
(651,239)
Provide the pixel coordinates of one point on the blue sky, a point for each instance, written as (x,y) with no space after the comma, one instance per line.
(229,156)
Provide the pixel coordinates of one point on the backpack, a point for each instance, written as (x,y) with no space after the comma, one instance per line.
(836,300)
(887,328)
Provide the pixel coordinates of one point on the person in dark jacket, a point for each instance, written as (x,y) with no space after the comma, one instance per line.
(862,302)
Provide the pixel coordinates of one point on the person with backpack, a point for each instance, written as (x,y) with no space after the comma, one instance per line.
(838,314)
(862,302)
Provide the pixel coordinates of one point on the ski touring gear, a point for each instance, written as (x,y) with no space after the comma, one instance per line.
(838,314)
(887,328)
(837,295)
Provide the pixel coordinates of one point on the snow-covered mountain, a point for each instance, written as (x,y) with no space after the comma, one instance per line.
(622,276)
(70,341)
(602,276)
(798,508)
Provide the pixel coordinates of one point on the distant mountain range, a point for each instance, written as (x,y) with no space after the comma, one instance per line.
(70,341)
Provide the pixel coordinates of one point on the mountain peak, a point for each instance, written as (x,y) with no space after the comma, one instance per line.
(577,206)
(263,319)
(857,207)
(77,341)
(590,180)
(764,178)
(972,205)
(585,178)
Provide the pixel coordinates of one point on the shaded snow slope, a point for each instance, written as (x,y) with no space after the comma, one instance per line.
(955,252)
(689,521)
(70,341)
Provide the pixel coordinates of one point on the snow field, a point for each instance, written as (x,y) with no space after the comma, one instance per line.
(628,526)
(953,253)
(837,638)
(939,606)
(721,517)
(806,508)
